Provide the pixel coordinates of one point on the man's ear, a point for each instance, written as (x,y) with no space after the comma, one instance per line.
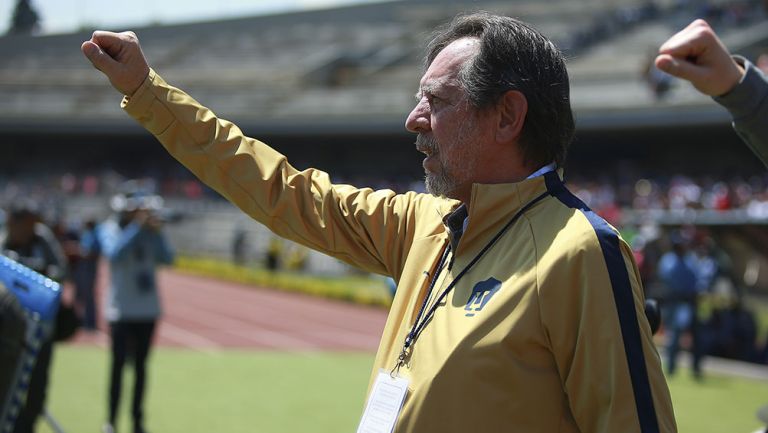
(512,109)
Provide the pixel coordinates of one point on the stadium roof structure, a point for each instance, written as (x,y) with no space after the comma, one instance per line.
(354,69)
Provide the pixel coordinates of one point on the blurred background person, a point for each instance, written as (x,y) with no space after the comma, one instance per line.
(28,241)
(134,244)
(239,245)
(680,279)
(84,275)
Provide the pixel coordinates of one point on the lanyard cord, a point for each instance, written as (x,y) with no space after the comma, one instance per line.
(420,323)
(411,335)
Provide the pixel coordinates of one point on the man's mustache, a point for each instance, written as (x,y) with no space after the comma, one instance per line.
(426,144)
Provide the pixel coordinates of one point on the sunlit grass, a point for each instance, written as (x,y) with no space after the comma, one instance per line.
(277,392)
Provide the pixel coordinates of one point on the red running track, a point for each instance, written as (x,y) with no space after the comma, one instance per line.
(208,314)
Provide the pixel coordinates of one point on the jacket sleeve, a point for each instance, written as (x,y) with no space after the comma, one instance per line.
(748,105)
(366,228)
(592,312)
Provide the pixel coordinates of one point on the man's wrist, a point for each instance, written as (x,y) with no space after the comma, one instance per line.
(737,74)
(139,85)
(138,95)
(743,98)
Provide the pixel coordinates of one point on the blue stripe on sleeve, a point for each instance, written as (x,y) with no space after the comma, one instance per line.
(625,305)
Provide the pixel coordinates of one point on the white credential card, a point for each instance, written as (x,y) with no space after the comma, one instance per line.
(384,404)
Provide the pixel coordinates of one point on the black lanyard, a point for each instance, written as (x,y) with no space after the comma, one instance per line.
(421,322)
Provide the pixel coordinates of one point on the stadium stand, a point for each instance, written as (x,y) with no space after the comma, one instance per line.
(307,65)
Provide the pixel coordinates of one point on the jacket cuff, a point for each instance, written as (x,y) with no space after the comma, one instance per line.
(744,99)
(147,104)
(141,98)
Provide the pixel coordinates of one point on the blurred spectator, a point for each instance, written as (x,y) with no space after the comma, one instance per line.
(133,242)
(274,252)
(295,257)
(678,273)
(31,243)
(84,275)
(705,264)
(239,246)
(658,81)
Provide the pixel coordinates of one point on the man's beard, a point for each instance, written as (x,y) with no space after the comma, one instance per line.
(439,184)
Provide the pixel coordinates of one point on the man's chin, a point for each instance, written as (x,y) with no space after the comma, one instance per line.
(438,186)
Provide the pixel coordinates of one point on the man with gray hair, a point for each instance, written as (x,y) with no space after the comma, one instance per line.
(517,308)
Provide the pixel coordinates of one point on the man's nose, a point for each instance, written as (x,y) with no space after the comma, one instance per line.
(418,120)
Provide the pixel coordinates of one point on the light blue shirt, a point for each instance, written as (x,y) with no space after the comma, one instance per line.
(134,253)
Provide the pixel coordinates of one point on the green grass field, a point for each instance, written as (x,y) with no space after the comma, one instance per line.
(270,392)
(232,391)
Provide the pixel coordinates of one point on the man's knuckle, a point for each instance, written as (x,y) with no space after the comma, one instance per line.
(701,33)
(700,23)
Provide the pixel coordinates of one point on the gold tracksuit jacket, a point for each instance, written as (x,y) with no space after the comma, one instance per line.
(546,333)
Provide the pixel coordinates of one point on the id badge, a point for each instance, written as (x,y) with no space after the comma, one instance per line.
(384,404)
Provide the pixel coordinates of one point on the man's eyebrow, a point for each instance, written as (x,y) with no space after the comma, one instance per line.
(433,86)
(424,88)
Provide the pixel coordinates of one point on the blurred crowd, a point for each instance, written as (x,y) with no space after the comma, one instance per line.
(613,22)
(612,197)
(43,187)
(624,190)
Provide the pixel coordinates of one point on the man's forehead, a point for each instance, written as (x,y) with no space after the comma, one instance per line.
(444,70)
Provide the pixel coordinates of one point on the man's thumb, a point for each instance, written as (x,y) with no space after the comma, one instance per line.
(97,56)
(678,67)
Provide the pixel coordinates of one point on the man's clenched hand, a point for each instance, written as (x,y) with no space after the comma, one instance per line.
(696,54)
(119,57)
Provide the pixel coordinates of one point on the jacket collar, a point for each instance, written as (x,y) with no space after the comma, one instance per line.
(491,206)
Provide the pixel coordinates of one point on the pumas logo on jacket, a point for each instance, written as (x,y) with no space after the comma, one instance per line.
(481,294)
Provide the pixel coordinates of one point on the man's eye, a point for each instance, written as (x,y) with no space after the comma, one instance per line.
(432,99)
